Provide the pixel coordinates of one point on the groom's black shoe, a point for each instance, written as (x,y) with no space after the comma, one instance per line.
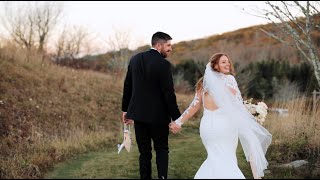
(162,177)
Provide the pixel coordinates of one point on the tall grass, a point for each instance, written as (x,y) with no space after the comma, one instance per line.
(49,113)
(297,135)
(31,160)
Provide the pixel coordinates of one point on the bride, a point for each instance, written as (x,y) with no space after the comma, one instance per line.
(225,120)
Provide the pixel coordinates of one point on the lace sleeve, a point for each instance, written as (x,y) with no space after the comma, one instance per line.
(232,83)
(191,110)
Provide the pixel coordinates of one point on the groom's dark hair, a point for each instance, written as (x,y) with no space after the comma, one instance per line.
(160,36)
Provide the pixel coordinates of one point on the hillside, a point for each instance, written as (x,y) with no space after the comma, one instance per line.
(48,113)
(243,46)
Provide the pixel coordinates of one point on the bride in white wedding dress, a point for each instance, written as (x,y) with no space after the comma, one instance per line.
(225,120)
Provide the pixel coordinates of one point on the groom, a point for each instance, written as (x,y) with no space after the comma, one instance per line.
(149,100)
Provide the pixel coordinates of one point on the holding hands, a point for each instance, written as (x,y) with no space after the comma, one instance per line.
(174,127)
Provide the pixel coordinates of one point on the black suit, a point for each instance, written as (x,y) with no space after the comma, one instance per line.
(149,99)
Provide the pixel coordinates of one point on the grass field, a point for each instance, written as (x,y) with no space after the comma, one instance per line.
(186,155)
(51,114)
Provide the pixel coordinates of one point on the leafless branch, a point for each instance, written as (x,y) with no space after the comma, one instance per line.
(314,8)
(276,37)
(29,23)
(289,23)
(289,15)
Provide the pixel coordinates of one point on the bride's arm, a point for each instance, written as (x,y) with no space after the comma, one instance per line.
(191,110)
(233,87)
(253,168)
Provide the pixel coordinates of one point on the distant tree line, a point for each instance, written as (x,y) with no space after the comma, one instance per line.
(259,80)
(270,76)
(265,80)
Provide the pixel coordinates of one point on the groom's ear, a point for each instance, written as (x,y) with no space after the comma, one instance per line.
(158,45)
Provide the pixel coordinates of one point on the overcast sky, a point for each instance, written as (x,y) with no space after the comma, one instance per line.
(182,20)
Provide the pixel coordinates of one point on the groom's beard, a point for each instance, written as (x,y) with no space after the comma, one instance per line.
(164,54)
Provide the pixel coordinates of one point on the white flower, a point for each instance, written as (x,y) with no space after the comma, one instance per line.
(263,105)
(261,110)
(251,108)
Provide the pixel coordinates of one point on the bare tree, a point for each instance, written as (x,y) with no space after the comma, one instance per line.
(29,23)
(19,23)
(47,17)
(296,20)
(72,42)
(119,43)
(120,39)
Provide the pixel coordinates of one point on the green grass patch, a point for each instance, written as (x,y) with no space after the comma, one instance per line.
(187,153)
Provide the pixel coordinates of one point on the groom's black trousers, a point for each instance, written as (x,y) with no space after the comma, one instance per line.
(159,134)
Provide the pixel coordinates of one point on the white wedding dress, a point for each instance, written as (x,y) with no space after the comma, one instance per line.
(220,130)
(220,138)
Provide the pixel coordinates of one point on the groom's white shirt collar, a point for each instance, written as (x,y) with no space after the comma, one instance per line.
(154,49)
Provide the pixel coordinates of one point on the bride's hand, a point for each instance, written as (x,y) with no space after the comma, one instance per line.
(174,128)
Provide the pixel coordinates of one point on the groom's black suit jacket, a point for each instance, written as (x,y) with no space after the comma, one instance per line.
(148,93)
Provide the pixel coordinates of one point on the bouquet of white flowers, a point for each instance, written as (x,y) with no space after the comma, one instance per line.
(259,110)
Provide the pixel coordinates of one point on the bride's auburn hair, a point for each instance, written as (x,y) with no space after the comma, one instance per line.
(213,61)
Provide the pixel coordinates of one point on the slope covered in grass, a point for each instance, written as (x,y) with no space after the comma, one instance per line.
(48,113)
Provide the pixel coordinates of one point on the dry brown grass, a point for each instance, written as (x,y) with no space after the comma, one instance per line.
(296,136)
(49,113)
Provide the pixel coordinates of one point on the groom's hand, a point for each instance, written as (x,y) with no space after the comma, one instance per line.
(125,120)
(124,117)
